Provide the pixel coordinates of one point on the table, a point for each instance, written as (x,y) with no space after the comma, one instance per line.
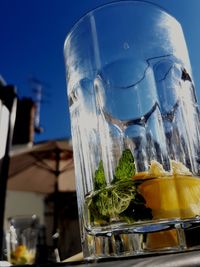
(180,259)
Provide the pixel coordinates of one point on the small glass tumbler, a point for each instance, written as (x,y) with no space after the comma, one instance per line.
(135,131)
(21,239)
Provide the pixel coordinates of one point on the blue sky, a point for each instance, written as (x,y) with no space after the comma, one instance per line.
(32,35)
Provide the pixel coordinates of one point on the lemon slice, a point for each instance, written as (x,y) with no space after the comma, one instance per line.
(141,175)
(174,196)
(20,250)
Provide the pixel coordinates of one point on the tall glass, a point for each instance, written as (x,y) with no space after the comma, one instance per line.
(135,131)
(22,240)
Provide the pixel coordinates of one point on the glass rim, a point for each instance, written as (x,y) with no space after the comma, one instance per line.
(22,217)
(114,3)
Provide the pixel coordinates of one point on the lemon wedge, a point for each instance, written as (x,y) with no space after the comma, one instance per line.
(171,195)
(20,250)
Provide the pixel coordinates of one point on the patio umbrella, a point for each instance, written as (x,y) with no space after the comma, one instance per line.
(42,168)
(45,168)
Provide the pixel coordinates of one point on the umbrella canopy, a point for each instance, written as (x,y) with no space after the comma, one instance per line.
(45,167)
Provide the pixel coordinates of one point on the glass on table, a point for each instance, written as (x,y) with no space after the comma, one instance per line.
(21,239)
(135,131)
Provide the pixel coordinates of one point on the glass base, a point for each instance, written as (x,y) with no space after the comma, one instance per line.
(148,238)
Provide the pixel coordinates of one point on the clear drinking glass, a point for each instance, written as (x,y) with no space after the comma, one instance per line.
(135,131)
(21,239)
